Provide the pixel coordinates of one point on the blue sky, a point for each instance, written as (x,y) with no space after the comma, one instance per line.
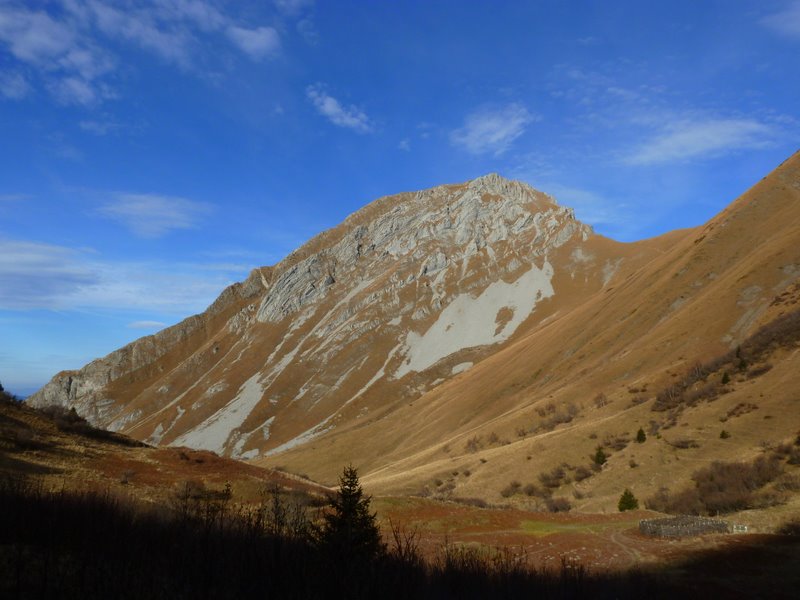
(152,152)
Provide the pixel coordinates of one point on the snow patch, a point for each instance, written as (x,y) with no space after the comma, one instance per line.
(213,433)
(461,367)
(468,321)
(303,438)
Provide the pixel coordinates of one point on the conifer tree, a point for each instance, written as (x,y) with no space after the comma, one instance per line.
(627,501)
(349,529)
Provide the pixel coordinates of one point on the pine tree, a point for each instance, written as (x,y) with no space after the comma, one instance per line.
(349,530)
(627,501)
(600,456)
(641,436)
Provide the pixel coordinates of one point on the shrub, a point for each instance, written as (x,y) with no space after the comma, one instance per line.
(557,504)
(582,473)
(554,478)
(511,489)
(724,435)
(721,487)
(726,379)
(627,501)
(641,436)
(617,443)
(684,444)
(473,444)
(532,490)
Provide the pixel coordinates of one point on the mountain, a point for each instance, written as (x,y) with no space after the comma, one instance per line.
(456,339)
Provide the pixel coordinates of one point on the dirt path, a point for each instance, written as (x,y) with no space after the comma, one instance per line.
(635,555)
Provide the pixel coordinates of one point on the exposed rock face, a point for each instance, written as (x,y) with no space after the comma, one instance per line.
(408,284)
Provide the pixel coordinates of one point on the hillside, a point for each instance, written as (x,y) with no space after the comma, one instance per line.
(458,339)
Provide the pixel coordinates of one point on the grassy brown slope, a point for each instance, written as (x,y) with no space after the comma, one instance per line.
(59,455)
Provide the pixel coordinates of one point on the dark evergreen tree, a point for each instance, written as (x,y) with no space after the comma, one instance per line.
(599,456)
(627,501)
(641,436)
(349,530)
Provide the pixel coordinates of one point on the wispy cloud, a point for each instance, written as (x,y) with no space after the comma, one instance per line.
(146,325)
(98,127)
(14,86)
(257,43)
(293,8)
(152,215)
(46,276)
(685,139)
(350,117)
(67,47)
(786,21)
(492,130)
(34,275)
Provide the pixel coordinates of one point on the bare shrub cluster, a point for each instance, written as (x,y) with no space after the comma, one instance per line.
(720,488)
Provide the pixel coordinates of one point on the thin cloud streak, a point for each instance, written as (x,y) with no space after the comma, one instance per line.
(153,215)
(45,276)
(688,139)
(786,21)
(146,325)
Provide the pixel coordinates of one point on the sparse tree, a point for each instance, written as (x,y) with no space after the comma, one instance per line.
(726,379)
(627,501)
(641,436)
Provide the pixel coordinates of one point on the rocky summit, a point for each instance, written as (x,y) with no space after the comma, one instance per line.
(437,331)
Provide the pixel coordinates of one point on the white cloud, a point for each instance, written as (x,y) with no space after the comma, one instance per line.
(492,130)
(67,47)
(256,43)
(203,14)
(404,145)
(140,26)
(786,21)
(293,8)
(147,325)
(689,139)
(151,215)
(98,127)
(34,37)
(307,29)
(45,276)
(73,90)
(34,275)
(14,86)
(350,117)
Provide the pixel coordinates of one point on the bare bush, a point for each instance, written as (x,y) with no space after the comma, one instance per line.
(560,504)
(721,487)
(511,489)
(554,478)
(473,444)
